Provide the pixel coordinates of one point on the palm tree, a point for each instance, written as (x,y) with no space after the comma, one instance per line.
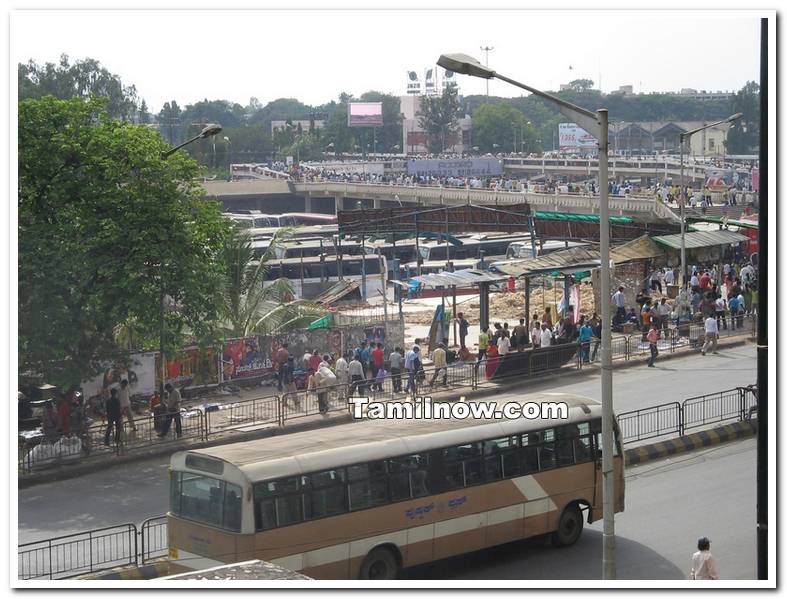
(250,308)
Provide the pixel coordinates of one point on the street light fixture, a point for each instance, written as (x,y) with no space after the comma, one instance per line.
(597,124)
(207,131)
(683,137)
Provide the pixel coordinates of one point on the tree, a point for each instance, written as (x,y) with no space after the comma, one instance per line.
(83,79)
(144,114)
(502,128)
(107,230)
(744,137)
(249,307)
(438,117)
(390,134)
(169,122)
(581,85)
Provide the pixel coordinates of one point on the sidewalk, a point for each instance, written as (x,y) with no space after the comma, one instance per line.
(309,422)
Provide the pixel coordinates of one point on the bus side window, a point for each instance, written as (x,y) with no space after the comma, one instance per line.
(582,445)
(367,485)
(232,507)
(529,454)
(565,444)
(546,451)
(327,494)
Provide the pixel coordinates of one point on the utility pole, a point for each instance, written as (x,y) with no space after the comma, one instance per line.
(486,49)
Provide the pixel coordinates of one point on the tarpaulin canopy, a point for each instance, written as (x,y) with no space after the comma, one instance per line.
(460,278)
(701,239)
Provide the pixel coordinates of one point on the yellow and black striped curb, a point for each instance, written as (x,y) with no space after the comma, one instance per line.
(714,436)
(146,572)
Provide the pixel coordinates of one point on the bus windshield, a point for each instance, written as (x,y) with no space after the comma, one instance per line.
(205,499)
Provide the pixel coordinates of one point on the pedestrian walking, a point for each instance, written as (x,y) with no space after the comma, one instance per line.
(288,384)
(324,379)
(114,415)
(653,341)
(619,301)
(440,364)
(703,566)
(519,336)
(483,343)
(412,363)
(535,335)
(281,359)
(378,360)
(585,335)
(124,395)
(711,335)
(464,328)
(355,369)
(342,376)
(173,411)
(50,422)
(396,360)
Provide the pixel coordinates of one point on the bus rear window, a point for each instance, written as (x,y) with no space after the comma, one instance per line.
(207,500)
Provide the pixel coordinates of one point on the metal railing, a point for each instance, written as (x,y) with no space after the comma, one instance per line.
(676,418)
(153,538)
(80,553)
(276,410)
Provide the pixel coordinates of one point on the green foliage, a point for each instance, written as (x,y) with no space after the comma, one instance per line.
(246,305)
(502,128)
(581,85)
(744,137)
(438,117)
(106,228)
(83,79)
(389,136)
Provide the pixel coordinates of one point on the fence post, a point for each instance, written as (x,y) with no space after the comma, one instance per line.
(681,422)
(280,409)
(50,560)
(136,546)
(626,348)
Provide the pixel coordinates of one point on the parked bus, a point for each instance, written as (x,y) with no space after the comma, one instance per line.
(491,245)
(366,499)
(524,249)
(311,276)
(312,218)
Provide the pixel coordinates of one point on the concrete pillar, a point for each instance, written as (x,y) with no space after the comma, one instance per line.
(483,290)
(376,203)
(307,203)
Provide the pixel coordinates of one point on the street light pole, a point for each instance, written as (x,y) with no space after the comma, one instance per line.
(598,125)
(207,131)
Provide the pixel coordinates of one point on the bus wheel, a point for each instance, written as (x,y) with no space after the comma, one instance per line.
(380,564)
(569,527)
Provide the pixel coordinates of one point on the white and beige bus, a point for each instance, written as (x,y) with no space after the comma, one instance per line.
(366,499)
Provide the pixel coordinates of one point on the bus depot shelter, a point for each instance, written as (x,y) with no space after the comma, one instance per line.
(461,279)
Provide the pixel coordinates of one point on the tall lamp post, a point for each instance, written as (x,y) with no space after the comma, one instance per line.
(597,124)
(686,135)
(207,131)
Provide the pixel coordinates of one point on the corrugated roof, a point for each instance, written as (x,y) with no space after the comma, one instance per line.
(570,258)
(701,239)
(744,224)
(336,291)
(637,249)
(460,278)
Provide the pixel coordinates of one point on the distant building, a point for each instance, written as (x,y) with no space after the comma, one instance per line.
(415,138)
(703,95)
(650,137)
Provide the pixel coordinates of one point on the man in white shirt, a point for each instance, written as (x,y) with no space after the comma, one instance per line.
(695,281)
(619,301)
(124,395)
(711,334)
(703,566)
(503,346)
(546,336)
(355,370)
(342,376)
(669,276)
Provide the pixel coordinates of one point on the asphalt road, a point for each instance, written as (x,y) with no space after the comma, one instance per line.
(139,490)
(669,505)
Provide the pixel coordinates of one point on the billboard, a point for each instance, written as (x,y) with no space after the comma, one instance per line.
(471,167)
(413,84)
(242,358)
(365,114)
(139,373)
(192,367)
(429,82)
(573,137)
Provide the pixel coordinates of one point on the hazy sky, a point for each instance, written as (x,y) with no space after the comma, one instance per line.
(315,55)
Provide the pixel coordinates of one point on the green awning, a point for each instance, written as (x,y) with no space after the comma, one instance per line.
(588,218)
(321,323)
(701,239)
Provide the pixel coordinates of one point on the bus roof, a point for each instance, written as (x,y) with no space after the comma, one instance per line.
(368,440)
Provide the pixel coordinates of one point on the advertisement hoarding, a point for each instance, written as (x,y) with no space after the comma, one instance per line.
(471,167)
(365,114)
(573,137)
(192,367)
(139,373)
(242,358)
